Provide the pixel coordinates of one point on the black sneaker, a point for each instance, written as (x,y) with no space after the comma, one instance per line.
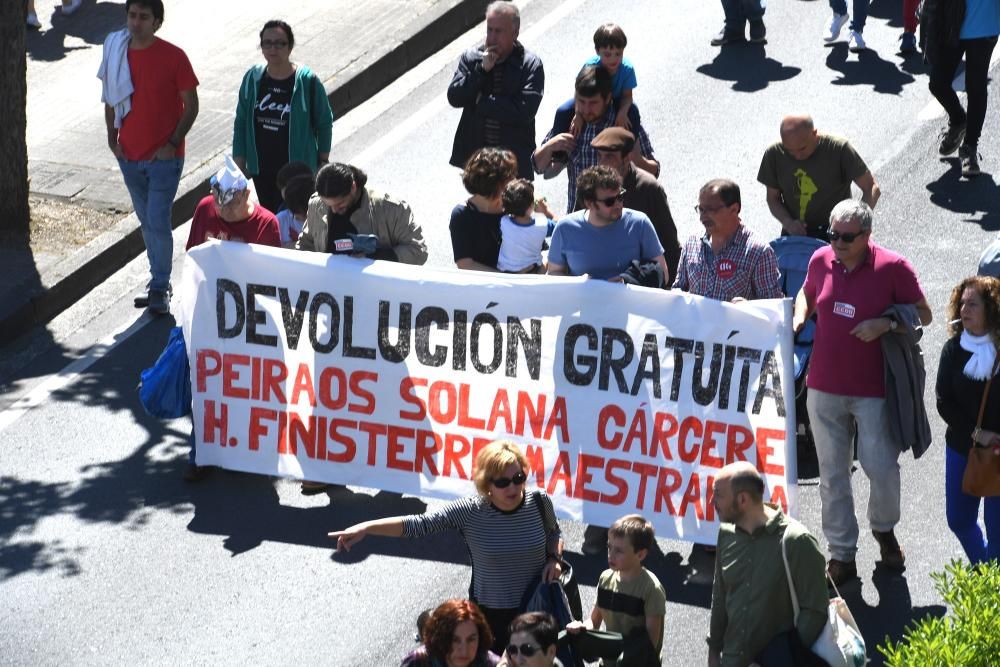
(159,302)
(142,301)
(758,32)
(951,138)
(970,161)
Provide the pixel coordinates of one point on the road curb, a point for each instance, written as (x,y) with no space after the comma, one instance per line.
(69,280)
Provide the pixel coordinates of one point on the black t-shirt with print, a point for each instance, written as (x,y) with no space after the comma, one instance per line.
(271,117)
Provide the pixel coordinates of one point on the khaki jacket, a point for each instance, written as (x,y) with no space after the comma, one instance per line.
(391,220)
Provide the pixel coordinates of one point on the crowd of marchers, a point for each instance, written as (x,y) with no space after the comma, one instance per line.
(863,302)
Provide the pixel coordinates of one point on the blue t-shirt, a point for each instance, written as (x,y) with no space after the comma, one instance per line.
(603,252)
(624,78)
(982,19)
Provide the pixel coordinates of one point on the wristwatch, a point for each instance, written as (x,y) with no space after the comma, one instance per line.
(892,324)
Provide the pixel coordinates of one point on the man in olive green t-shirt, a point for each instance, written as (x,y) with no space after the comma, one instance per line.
(808,173)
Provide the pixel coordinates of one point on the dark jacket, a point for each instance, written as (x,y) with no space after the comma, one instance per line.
(905,378)
(959,398)
(940,25)
(471,89)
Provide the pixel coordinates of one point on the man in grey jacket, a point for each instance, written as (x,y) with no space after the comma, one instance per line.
(343,209)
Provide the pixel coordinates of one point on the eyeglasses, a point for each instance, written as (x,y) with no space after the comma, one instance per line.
(503,482)
(527,650)
(846,238)
(699,209)
(610,201)
(268,44)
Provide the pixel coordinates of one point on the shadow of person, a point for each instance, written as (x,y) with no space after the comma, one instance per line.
(890,617)
(748,67)
(977,199)
(913,63)
(890,10)
(91,24)
(687,583)
(868,70)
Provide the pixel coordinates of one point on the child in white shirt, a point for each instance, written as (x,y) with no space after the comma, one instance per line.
(522,235)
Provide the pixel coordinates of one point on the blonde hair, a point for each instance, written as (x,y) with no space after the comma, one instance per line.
(491,461)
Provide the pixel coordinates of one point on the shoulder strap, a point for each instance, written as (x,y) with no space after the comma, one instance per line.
(788,576)
(539,500)
(986,392)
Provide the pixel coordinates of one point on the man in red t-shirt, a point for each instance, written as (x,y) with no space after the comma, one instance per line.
(228,214)
(147,133)
(849,285)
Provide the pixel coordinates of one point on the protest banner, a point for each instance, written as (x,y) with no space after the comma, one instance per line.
(625,399)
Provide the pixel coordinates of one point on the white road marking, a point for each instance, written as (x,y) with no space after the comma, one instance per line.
(68,375)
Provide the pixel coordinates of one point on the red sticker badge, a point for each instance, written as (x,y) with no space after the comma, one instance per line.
(725,268)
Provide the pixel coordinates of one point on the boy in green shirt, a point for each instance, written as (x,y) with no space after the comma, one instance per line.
(630,599)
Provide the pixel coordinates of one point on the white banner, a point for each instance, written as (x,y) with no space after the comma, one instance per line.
(390,376)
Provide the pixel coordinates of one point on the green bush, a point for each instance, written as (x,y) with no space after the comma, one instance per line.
(969,636)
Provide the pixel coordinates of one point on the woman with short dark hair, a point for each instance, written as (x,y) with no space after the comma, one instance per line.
(475,225)
(533,638)
(282,115)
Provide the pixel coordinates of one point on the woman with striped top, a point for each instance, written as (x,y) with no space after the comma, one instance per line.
(512,535)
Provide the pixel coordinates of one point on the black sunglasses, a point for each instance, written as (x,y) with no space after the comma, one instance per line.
(846,238)
(610,201)
(527,650)
(503,482)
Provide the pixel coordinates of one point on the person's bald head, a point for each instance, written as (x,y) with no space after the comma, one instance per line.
(799,136)
(743,477)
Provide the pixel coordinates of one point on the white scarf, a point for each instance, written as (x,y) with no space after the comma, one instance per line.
(984,354)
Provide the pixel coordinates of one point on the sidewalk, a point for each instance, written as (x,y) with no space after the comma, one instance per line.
(356,48)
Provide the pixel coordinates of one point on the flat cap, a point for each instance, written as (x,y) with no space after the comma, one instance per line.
(613,139)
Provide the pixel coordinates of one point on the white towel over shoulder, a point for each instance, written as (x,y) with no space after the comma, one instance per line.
(116,79)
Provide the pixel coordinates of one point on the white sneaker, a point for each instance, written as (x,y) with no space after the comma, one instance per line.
(833,28)
(71,7)
(856,43)
(33,21)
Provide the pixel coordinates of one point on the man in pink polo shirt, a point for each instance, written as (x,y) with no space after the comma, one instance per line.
(849,285)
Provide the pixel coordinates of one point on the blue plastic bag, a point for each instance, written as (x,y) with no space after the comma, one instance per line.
(165,389)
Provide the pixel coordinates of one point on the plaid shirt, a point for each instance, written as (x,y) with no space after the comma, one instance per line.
(745,267)
(584,156)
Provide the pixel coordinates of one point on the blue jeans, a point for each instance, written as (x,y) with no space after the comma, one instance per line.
(858,16)
(152,185)
(738,12)
(963,513)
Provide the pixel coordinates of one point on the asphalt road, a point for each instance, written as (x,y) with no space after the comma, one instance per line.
(107,557)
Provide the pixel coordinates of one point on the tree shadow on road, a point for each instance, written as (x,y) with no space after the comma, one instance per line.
(890,617)
(867,70)
(91,24)
(748,67)
(125,491)
(978,199)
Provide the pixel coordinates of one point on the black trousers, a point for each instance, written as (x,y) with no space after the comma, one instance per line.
(499,621)
(944,64)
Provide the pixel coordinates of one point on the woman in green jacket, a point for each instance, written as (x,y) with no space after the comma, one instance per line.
(283,115)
